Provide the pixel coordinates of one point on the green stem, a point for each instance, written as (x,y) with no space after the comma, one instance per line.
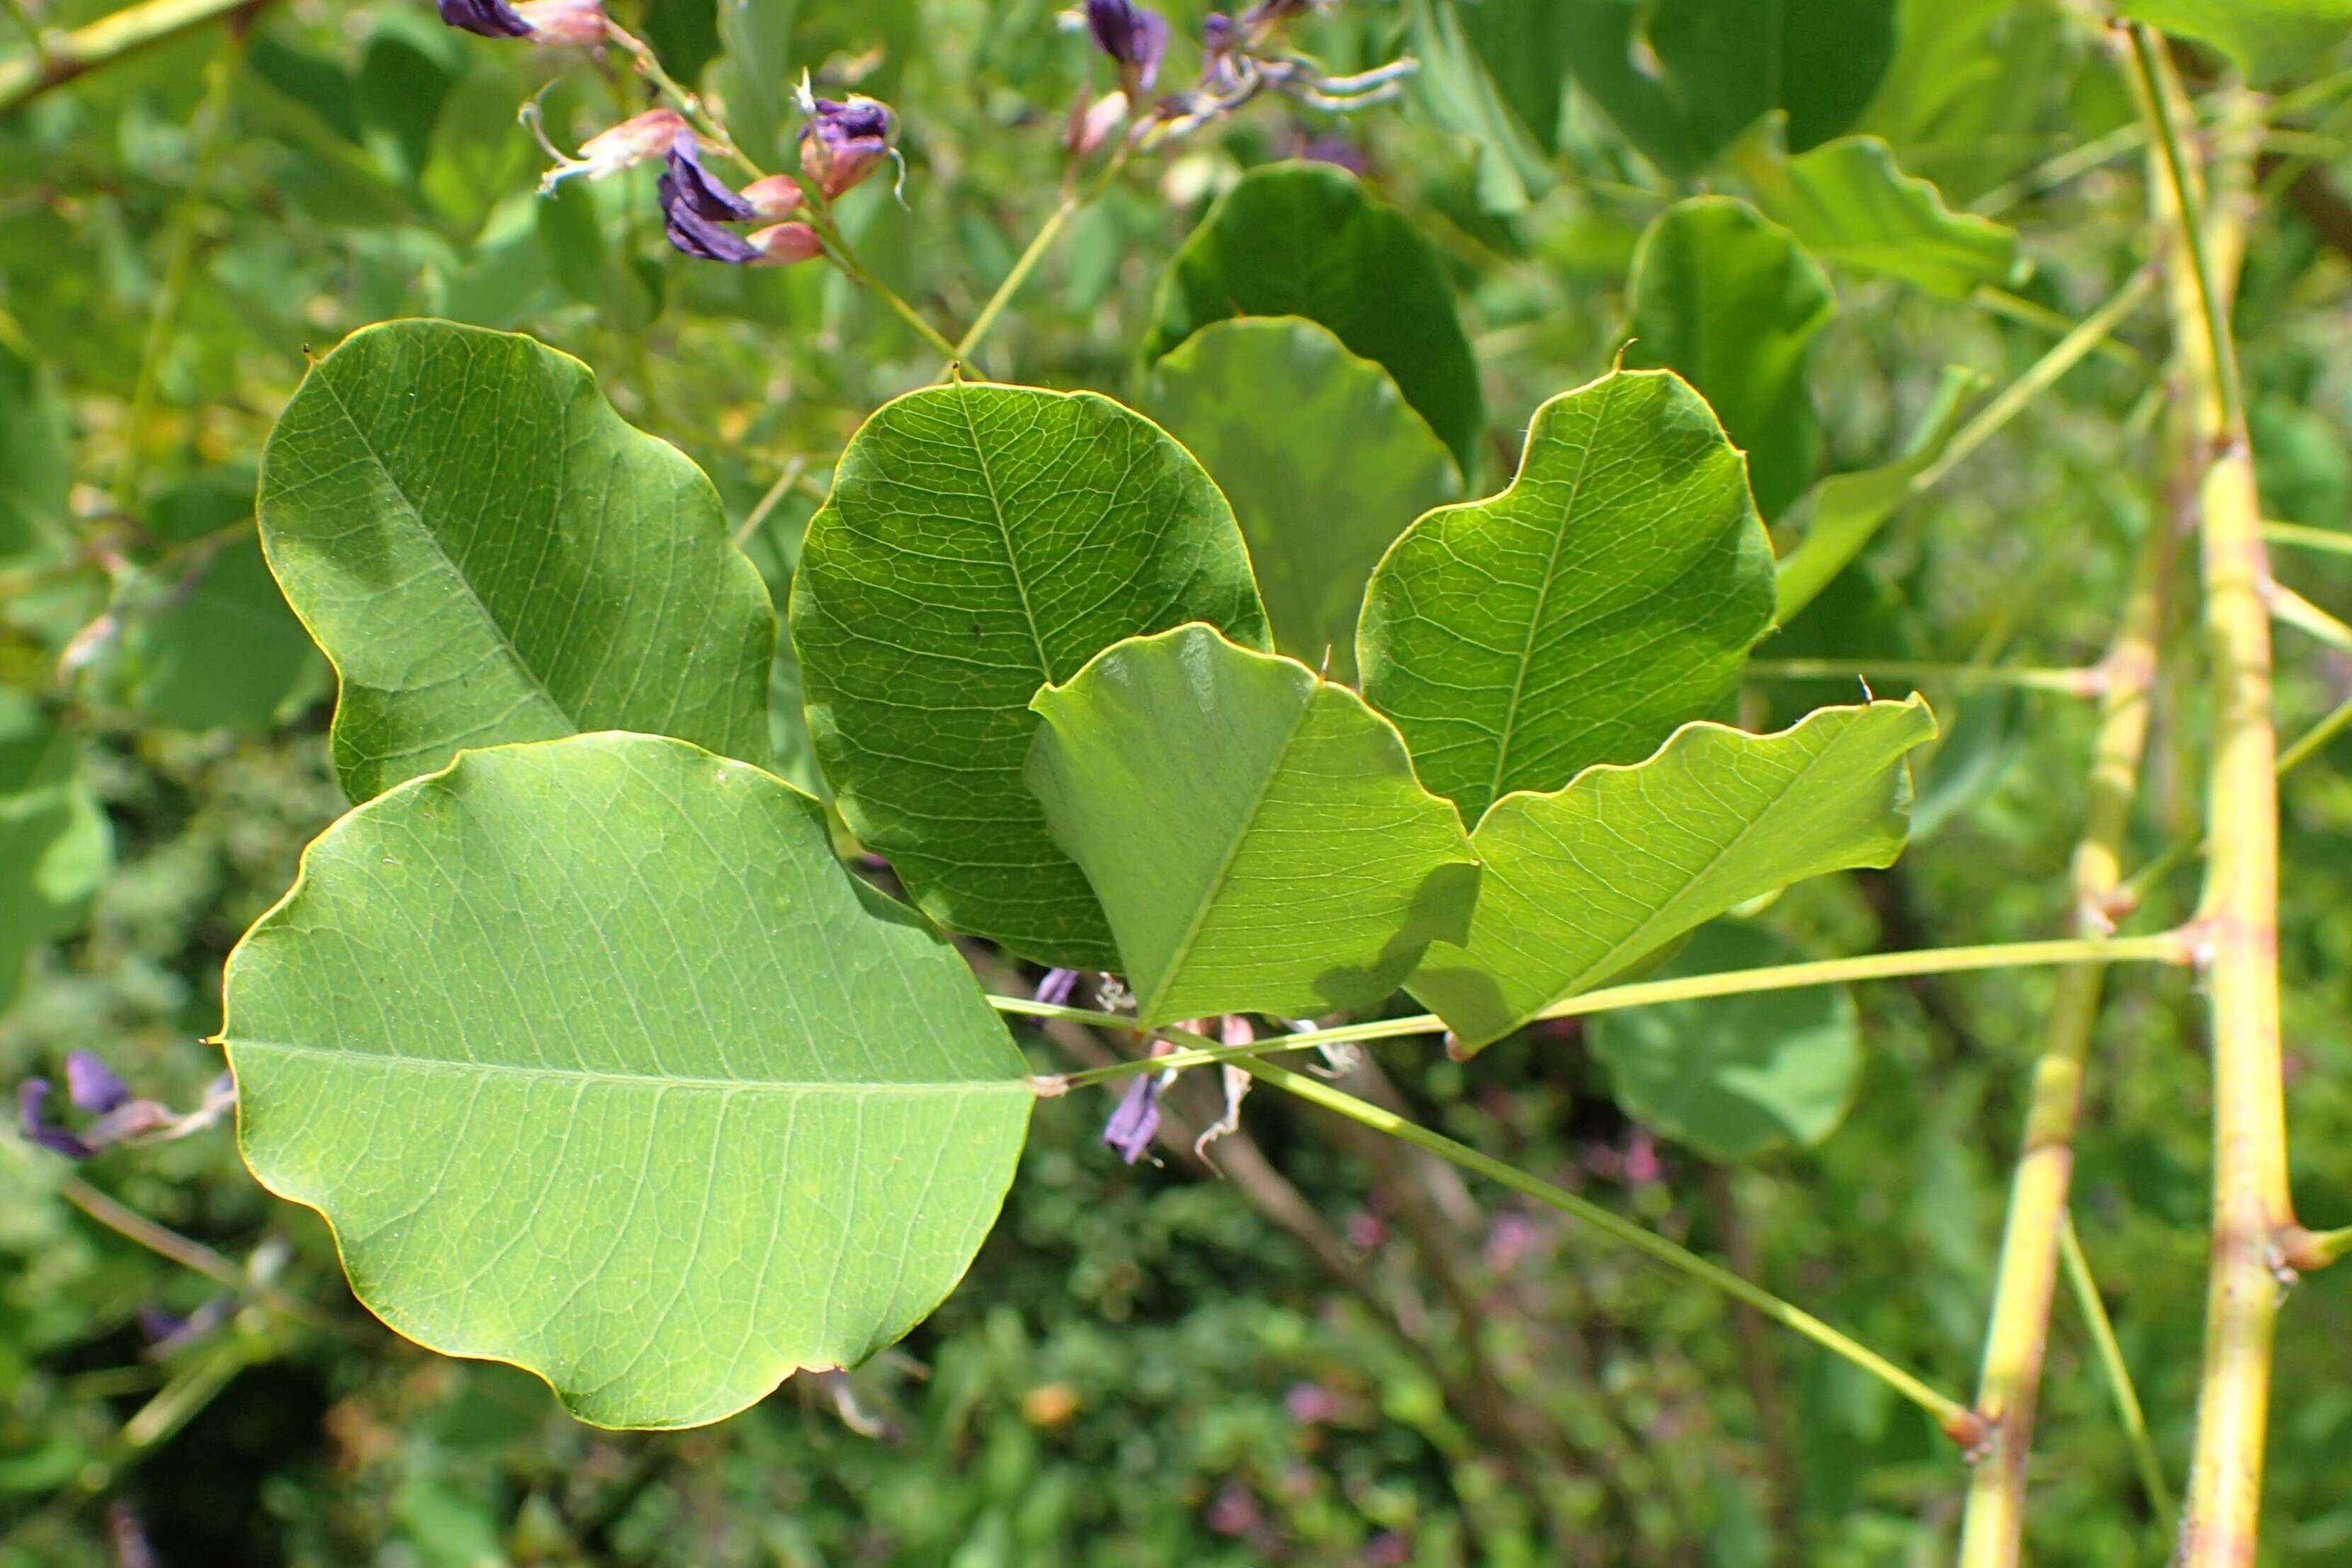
(2333,541)
(2289,607)
(63,57)
(2082,683)
(2155,76)
(166,1242)
(1068,207)
(1956,1418)
(846,259)
(2025,312)
(2085,1291)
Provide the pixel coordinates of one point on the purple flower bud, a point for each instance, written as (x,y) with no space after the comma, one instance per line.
(841,142)
(33,1121)
(1057,987)
(91,1084)
(1136,1121)
(1134,35)
(489,18)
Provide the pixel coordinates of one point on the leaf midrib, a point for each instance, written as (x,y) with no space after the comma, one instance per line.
(637,1079)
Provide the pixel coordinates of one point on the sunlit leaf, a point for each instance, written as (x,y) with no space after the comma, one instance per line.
(1735,1076)
(1611,593)
(2268,38)
(1322,459)
(981,543)
(56,846)
(599,1061)
(1849,203)
(1733,302)
(1255,832)
(486,554)
(1582,883)
(1304,239)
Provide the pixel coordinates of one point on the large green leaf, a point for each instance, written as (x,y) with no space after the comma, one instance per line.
(1612,591)
(598,1061)
(1255,832)
(981,543)
(219,649)
(1737,1075)
(487,553)
(1304,239)
(1849,203)
(1733,302)
(2269,38)
(1584,881)
(36,468)
(1322,459)
(1846,510)
(1682,78)
(56,846)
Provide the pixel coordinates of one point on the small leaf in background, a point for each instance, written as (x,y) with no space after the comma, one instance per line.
(756,74)
(1682,79)
(1735,1076)
(1304,239)
(1848,203)
(1495,71)
(2267,38)
(1611,593)
(1323,460)
(488,554)
(1585,882)
(36,467)
(407,73)
(1845,511)
(1733,302)
(55,845)
(600,1062)
(1255,832)
(983,542)
(216,647)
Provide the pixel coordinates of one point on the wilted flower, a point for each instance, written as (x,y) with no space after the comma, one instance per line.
(92,1086)
(33,1121)
(697,187)
(694,204)
(633,141)
(541,21)
(774,196)
(841,142)
(491,18)
(1092,123)
(780,245)
(1134,35)
(1136,1121)
(96,1089)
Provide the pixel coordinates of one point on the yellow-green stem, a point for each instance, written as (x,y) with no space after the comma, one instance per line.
(2128,1412)
(2082,683)
(62,56)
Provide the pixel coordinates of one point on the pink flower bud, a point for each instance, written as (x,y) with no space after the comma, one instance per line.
(1092,124)
(646,136)
(781,245)
(563,21)
(777,196)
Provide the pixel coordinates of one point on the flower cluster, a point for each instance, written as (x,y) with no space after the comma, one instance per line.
(117,1117)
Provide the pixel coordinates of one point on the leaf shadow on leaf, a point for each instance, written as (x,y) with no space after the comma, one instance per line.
(1442,906)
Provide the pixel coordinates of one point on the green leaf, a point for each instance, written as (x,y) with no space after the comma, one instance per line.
(2268,38)
(1304,239)
(56,846)
(1255,832)
(488,554)
(1612,591)
(1735,1076)
(1682,78)
(1495,71)
(1322,459)
(599,1062)
(1732,303)
(36,460)
(1849,203)
(1847,510)
(221,650)
(1585,882)
(756,75)
(981,543)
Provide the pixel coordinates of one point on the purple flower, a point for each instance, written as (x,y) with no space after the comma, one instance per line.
(841,142)
(697,187)
(491,18)
(1133,1125)
(694,204)
(92,1086)
(1134,35)
(1057,987)
(33,1121)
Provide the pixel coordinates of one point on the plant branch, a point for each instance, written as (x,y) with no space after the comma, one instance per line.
(2333,541)
(192,1255)
(2289,607)
(60,57)
(2082,683)
(1957,1420)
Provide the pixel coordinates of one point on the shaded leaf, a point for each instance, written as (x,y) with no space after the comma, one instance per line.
(1732,303)
(1304,239)
(598,1061)
(1495,71)
(981,543)
(55,845)
(1682,78)
(36,461)
(1584,881)
(756,74)
(1849,203)
(2267,38)
(1611,593)
(487,553)
(1322,459)
(1735,1076)
(1255,833)
(220,650)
